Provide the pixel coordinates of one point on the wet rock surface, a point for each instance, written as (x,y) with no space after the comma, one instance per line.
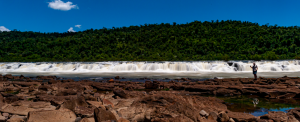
(48,98)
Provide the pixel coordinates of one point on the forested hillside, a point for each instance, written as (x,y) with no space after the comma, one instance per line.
(216,40)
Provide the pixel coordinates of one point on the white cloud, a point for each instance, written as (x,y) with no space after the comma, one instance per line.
(2,28)
(60,5)
(71,29)
(78,26)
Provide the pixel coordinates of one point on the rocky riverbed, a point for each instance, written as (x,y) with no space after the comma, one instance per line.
(51,99)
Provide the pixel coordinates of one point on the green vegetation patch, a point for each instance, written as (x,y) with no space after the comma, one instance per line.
(13,92)
(215,40)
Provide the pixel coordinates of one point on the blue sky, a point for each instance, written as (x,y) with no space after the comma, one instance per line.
(62,15)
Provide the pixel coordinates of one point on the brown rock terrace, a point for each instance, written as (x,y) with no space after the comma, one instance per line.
(50,99)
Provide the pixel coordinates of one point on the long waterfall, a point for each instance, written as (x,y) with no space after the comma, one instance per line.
(211,68)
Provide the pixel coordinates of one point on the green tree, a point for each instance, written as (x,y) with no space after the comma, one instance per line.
(270,55)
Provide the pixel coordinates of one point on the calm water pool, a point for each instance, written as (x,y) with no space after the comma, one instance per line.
(245,104)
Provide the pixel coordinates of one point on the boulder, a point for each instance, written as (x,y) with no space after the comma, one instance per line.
(75,102)
(87,120)
(111,81)
(121,93)
(212,116)
(148,84)
(223,117)
(61,115)
(3,118)
(103,115)
(203,113)
(78,105)
(114,112)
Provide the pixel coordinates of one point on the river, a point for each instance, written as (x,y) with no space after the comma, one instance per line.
(150,69)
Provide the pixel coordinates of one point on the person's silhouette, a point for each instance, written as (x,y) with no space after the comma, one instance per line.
(254,68)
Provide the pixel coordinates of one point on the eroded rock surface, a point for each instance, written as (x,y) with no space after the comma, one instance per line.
(61,115)
(179,100)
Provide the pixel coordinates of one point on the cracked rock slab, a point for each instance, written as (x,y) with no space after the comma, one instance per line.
(23,110)
(61,115)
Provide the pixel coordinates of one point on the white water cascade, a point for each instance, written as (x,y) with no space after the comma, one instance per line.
(165,69)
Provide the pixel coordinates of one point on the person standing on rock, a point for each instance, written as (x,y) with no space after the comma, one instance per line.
(254,68)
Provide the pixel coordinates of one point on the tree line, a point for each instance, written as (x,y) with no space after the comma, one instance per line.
(215,40)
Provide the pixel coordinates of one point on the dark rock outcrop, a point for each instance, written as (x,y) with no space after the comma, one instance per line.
(103,115)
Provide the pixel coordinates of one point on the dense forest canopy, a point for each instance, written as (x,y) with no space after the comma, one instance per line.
(215,40)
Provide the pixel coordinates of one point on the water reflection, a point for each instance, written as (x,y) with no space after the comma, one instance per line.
(258,106)
(255,101)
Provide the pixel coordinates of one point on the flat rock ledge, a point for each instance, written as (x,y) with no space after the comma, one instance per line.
(50,99)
